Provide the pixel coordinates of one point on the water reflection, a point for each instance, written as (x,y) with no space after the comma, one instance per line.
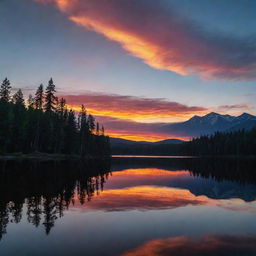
(46,190)
(139,193)
(221,245)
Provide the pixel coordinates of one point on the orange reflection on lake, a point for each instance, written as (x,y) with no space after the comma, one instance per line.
(149,172)
(143,198)
(211,245)
(157,198)
(144,176)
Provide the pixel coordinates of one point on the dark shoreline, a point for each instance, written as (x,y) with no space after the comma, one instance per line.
(61,157)
(48,157)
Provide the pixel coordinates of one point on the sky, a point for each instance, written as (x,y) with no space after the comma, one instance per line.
(134,63)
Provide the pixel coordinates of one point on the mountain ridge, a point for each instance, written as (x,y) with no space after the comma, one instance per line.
(197,126)
(210,123)
(122,142)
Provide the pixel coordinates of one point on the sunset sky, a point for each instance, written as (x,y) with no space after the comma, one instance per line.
(134,63)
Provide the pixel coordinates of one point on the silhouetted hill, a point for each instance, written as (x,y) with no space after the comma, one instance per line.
(117,142)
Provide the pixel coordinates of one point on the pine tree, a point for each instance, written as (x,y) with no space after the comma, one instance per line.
(39,97)
(83,132)
(70,132)
(18,98)
(97,129)
(61,107)
(50,98)
(102,130)
(60,124)
(91,123)
(5,90)
(30,102)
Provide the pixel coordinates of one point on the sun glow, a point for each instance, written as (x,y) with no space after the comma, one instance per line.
(143,137)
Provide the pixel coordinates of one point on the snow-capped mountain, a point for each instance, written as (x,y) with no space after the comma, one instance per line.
(210,123)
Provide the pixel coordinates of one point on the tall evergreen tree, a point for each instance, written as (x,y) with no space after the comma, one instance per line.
(102,130)
(18,98)
(83,129)
(71,133)
(39,97)
(97,129)
(30,102)
(50,98)
(91,123)
(5,90)
(61,107)
(18,122)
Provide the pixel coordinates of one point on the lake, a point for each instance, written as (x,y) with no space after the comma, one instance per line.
(131,206)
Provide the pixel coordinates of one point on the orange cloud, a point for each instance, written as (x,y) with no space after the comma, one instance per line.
(138,131)
(211,245)
(133,108)
(134,118)
(163,39)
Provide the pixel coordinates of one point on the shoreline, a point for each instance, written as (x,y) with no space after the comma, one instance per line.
(48,157)
(61,157)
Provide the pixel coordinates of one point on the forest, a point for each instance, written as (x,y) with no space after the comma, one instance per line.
(235,143)
(44,123)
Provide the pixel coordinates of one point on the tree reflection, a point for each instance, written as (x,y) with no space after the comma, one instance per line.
(219,168)
(45,190)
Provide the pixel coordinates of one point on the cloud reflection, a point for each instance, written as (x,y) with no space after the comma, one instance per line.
(213,245)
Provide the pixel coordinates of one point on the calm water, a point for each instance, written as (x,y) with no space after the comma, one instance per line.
(134,206)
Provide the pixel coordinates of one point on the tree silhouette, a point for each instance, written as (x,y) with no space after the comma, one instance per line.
(39,97)
(50,98)
(31,102)
(18,98)
(5,90)
(47,125)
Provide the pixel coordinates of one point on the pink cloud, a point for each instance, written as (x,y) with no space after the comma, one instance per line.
(130,107)
(163,39)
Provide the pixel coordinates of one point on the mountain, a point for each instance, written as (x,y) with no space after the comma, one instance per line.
(194,127)
(168,141)
(123,142)
(210,123)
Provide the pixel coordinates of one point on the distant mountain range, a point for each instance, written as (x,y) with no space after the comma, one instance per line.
(122,142)
(210,123)
(195,127)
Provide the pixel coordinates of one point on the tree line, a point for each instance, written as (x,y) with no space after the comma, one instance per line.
(235,143)
(241,142)
(44,123)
